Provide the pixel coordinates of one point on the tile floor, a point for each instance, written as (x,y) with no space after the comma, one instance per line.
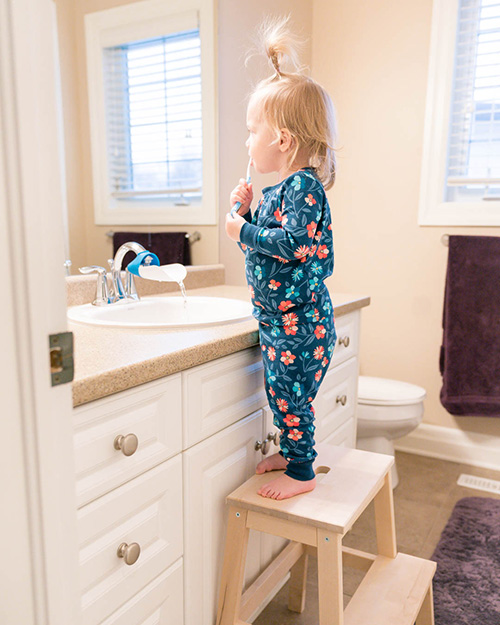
(423,502)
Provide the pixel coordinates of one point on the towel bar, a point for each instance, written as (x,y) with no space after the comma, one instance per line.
(445,240)
(195,236)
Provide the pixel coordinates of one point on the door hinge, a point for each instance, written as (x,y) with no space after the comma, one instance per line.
(61,357)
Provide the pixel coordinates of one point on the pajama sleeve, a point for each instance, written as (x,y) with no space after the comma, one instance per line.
(300,214)
(248,218)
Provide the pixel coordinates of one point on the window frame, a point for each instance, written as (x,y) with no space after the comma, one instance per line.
(134,22)
(433,211)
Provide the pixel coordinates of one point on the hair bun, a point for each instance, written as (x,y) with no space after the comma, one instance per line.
(279,42)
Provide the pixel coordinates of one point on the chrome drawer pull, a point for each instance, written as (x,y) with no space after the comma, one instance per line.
(130,553)
(344,341)
(342,399)
(126,444)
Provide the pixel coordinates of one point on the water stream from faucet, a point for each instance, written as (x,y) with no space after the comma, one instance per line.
(183,291)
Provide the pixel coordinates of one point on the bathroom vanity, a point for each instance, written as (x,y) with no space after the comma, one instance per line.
(166,425)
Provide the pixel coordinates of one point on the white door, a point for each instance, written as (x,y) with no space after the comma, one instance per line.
(38,573)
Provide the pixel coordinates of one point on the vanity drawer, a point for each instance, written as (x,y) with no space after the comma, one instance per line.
(344,436)
(151,412)
(219,393)
(147,511)
(347,345)
(336,400)
(160,603)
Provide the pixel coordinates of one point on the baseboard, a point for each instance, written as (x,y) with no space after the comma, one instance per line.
(478,450)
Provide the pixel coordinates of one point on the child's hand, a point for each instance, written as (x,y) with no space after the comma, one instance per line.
(242,193)
(233,226)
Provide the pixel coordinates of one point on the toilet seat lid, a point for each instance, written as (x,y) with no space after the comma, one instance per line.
(384,392)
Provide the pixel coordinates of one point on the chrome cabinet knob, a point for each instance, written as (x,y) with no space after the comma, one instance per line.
(342,399)
(344,340)
(263,446)
(130,553)
(275,438)
(126,444)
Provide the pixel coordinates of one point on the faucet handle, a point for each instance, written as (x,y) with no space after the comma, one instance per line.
(102,291)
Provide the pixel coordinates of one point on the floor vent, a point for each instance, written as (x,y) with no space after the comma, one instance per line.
(479,483)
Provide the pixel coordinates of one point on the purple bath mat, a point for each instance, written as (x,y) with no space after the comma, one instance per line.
(467,581)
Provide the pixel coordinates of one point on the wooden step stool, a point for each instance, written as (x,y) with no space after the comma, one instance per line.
(397,589)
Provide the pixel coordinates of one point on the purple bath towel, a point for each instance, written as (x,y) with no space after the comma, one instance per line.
(170,247)
(470,354)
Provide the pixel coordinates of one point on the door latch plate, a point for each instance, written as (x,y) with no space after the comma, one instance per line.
(61,358)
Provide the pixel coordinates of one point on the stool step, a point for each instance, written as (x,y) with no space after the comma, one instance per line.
(348,480)
(392,592)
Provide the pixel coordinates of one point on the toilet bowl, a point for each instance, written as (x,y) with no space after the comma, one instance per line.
(387,410)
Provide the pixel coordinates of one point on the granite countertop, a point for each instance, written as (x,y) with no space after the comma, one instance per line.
(110,360)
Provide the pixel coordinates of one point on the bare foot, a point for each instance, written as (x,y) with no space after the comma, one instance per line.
(284,487)
(273,463)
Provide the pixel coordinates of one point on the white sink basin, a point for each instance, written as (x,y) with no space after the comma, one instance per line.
(164,312)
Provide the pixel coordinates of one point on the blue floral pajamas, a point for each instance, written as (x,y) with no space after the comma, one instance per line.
(289,252)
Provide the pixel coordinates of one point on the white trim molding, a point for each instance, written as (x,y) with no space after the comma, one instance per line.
(128,23)
(436,441)
(433,210)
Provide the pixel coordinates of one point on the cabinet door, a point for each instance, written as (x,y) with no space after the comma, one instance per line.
(270,545)
(219,393)
(160,603)
(212,470)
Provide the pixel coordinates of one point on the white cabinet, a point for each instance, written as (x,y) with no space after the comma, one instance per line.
(197,433)
(212,470)
(151,412)
(336,401)
(160,603)
(220,392)
(146,511)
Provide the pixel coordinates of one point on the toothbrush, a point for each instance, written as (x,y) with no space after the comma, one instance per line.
(248,180)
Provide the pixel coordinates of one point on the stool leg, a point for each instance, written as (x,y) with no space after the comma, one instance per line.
(426,614)
(233,568)
(297,585)
(384,520)
(330,586)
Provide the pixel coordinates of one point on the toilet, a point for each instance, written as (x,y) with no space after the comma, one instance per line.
(387,409)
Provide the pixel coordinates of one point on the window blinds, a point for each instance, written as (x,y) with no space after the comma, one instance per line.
(153,117)
(473,168)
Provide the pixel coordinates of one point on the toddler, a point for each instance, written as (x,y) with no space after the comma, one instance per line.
(289,252)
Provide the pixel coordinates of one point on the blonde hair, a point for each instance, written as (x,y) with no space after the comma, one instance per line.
(296,102)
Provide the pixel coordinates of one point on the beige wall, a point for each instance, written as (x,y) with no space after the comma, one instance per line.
(88,242)
(238,24)
(373,58)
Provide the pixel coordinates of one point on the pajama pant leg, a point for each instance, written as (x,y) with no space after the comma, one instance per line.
(294,366)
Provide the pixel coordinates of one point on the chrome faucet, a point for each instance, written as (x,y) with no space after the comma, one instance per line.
(114,291)
(128,291)
(103,295)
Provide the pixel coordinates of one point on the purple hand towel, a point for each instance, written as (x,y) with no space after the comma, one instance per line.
(470,353)
(170,247)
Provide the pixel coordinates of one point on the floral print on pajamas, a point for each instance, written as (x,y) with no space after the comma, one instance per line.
(289,252)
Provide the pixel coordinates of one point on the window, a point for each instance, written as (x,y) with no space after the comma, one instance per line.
(461,167)
(152,111)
